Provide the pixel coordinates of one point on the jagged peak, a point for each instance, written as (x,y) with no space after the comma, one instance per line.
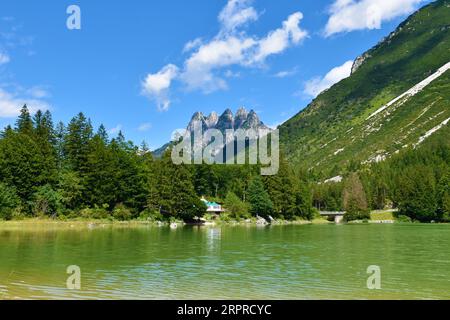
(241,111)
(227,112)
(212,119)
(227,120)
(197,115)
(240,118)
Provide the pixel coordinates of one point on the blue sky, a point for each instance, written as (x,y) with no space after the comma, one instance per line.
(146,66)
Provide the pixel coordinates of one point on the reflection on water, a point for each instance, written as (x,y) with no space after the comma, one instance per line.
(279,262)
(214,236)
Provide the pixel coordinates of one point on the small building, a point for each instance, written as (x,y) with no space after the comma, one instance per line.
(213,207)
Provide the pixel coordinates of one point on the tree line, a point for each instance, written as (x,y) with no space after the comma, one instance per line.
(74,171)
(416,182)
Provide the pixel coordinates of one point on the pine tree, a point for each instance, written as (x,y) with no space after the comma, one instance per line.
(60,133)
(22,164)
(174,195)
(24,122)
(76,144)
(8,201)
(417,189)
(235,207)
(100,183)
(443,194)
(103,134)
(282,189)
(46,140)
(260,203)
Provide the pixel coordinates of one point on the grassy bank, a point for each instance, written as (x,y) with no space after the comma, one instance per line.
(382,215)
(47,223)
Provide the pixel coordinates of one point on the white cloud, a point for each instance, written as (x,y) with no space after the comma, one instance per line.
(231,74)
(156,86)
(219,53)
(10,104)
(317,85)
(230,47)
(193,44)
(145,127)
(116,129)
(286,73)
(38,92)
(4,58)
(280,39)
(237,13)
(349,15)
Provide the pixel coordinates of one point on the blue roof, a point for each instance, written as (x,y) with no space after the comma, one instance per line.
(210,204)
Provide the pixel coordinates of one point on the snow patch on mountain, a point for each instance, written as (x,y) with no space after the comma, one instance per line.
(432,131)
(336,179)
(413,91)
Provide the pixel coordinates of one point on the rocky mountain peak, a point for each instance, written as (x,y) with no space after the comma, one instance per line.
(212,119)
(240,118)
(198,119)
(252,121)
(226,121)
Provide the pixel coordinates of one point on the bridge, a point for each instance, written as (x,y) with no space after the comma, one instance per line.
(337,215)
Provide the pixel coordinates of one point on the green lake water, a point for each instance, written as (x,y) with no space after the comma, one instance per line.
(278,262)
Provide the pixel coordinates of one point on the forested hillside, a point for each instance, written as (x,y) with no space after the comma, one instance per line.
(366,118)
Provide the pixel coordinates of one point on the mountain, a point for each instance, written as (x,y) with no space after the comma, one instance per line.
(242,120)
(397,96)
(227,121)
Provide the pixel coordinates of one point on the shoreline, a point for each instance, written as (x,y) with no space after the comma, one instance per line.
(91,223)
(377,217)
(50,224)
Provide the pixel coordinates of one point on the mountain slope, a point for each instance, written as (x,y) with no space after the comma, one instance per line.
(385,105)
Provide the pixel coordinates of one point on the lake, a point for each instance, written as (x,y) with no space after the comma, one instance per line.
(277,262)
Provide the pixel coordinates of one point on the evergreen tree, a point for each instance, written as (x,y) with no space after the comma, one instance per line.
(103,134)
(46,141)
(235,207)
(176,196)
(303,201)
(76,142)
(22,164)
(8,201)
(24,122)
(60,133)
(46,201)
(260,203)
(417,189)
(100,183)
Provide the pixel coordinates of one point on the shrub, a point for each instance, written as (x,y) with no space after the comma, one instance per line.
(404,219)
(9,201)
(151,215)
(122,213)
(46,201)
(95,213)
